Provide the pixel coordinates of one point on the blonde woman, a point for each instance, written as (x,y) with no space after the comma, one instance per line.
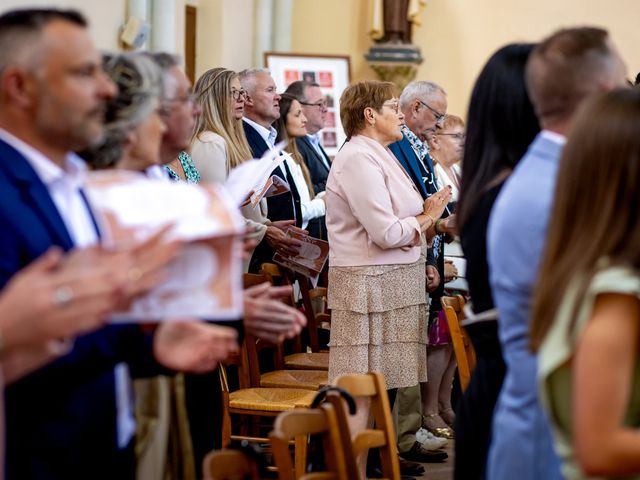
(218,143)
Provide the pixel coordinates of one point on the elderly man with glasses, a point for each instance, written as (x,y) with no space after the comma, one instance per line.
(424,105)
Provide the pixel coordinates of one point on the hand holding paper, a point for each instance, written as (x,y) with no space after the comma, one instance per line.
(204,234)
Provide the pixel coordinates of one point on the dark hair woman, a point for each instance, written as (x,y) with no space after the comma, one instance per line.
(501,125)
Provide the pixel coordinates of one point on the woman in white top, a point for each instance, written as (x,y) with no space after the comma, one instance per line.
(290,126)
(218,143)
(446,148)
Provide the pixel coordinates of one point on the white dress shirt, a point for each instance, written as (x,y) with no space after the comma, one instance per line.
(269,135)
(64,187)
(310,208)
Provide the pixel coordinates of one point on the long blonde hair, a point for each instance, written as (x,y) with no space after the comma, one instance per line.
(213,91)
(281,127)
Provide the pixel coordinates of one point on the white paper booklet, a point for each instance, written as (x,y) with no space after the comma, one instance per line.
(205,279)
(253,175)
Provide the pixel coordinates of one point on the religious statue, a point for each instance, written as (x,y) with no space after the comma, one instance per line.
(393,20)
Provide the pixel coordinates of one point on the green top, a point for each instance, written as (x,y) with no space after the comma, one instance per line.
(190,171)
(555,368)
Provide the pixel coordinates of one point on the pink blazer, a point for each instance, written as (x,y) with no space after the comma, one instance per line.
(371,207)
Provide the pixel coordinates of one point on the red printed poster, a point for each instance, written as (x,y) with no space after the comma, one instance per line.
(330,120)
(325,79)
(329,139)
(291,76)
(309,77)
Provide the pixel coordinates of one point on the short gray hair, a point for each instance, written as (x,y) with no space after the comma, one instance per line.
(139,82)
(166,62)
(248,78)
(419,90)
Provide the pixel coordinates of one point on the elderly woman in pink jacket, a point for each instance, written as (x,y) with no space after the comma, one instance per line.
(378,227)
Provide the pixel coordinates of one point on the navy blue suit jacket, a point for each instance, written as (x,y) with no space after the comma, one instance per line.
(61,419)
(318,171)
(403,151)
(281,207)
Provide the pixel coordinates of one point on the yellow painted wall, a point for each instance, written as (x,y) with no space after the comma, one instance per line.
(104,16)
(458,36)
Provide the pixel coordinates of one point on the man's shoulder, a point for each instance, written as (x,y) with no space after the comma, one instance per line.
(398,145)
(306,149)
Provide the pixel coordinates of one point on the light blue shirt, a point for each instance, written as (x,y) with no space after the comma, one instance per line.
(521,446)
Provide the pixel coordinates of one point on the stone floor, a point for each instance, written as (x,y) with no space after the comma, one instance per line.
(440,471)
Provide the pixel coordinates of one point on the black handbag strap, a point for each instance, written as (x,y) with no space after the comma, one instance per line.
(322,395)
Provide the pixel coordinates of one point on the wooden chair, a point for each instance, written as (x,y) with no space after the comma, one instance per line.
(252,279)
(229,465)
(280,377)
(297,425)
(279,277)
(462,347)
(314,301)
(255,401)
(383,436)
(299,360)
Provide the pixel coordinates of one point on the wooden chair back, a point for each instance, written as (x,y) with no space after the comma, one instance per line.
(252,279)
(382,436)
(229,465)
(462,347)
(255,346)
(297,425)
(278,276)
(312,327)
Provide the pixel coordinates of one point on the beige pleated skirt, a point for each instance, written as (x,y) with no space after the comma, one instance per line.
(379,322)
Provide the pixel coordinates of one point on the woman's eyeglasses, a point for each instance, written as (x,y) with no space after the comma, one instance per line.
(457,136)
(237,94)
(395,106)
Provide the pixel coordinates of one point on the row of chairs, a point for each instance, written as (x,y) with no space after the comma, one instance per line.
(329,427)
(293,381)
(289,389)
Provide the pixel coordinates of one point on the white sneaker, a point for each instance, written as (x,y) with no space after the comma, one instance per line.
(429,441)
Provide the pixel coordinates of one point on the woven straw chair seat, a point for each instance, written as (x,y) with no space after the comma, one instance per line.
(305,379)
(307,361)
(271,399)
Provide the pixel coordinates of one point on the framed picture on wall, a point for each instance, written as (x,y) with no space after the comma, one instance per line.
(331,72)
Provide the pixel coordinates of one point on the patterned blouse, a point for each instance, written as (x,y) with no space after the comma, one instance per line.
(190,171)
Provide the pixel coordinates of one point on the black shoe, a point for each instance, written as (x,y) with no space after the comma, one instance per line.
(419,454)
(410,468)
